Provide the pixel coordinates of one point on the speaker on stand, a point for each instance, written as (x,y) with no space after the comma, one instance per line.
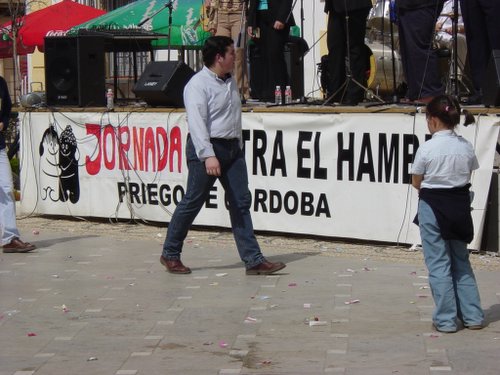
(162,83)
(75,71)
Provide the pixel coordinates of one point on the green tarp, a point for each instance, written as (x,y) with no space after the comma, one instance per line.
(186,21)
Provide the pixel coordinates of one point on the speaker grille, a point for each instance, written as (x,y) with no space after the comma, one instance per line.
(75,71)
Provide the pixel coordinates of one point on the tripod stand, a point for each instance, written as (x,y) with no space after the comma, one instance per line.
(343,89)
(455,75)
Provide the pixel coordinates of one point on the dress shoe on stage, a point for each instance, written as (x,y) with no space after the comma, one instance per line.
(350,102)
(18,246)
(175,266)
(422,101)
(475,99)
(266,268)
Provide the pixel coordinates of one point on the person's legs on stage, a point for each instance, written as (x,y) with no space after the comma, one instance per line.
(335,38)
(482,30)
(230,25)
(419,60)
(357,56)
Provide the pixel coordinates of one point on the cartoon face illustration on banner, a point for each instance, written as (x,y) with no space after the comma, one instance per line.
(69,185)
(59,165)
(49,163)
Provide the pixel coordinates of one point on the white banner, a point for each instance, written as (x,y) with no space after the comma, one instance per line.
(337,175)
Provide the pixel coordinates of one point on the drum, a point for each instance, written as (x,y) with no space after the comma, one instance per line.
(380,16)
(381,75)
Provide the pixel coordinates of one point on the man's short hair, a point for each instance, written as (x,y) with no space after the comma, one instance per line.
(215,45)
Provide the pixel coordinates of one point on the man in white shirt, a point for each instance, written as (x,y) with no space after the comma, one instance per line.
(214,151)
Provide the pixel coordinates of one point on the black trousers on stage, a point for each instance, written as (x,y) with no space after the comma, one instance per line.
(482,30)
(419,59)
(272,65)
(340,33)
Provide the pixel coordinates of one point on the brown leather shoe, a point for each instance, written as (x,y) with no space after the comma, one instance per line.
(174,266)
(266,268)
(18,246)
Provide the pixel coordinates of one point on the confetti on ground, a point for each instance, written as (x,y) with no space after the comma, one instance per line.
(249,319)
(31,334)
(223,344)
(352,301)
(313,323)
(307,305)
(92,359)
(36,232)
(292,284)
(221,274)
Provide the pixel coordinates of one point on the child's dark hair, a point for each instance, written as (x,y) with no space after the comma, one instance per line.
(447,109)
(215,45)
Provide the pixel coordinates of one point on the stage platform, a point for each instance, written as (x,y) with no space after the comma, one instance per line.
(315,106)
(333,171)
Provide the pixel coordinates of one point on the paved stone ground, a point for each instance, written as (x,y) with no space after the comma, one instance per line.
(95,300)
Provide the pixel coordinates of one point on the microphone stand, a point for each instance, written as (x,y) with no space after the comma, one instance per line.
(395,98)
(454,31)
(169,5)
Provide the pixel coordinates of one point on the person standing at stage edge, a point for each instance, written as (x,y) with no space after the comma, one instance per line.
(11,242)
(441,172)
(227,18)
(214,151)
(416,23)
(269,23)
(482,31)
(346,38)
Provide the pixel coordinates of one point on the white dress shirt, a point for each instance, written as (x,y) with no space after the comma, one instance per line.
(213,108)
(446,161)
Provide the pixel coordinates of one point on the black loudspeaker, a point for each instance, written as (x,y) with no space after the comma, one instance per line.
(491,84)
(75,71)
(294,58)
(295,49)
(162,83)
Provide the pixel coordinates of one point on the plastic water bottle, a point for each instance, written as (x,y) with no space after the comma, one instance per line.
(288,95)
(110,100)
(278,100)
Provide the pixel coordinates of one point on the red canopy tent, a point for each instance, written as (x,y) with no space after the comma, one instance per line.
(53,20)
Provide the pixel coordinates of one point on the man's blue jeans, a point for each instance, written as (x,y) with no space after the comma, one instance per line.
(234,180)
(451,278)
